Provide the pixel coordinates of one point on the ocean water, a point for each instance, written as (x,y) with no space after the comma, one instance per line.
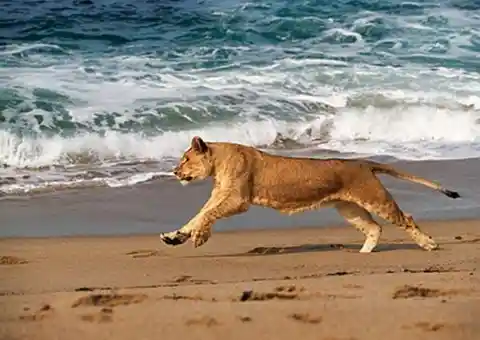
(101,92)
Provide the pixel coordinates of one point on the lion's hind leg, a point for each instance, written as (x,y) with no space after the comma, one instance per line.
(363,221)
(380,202)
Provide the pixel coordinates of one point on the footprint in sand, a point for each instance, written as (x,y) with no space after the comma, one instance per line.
(202,321)
(105,315)
(306,318)
(43,312)
(11,260)
(407,292)
(245,318)
(352,286)
(250,295)
(177,297)
(109,300)
(190,279)
(144,253)
(430,326)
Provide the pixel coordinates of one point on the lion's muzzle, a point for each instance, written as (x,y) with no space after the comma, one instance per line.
(182,177)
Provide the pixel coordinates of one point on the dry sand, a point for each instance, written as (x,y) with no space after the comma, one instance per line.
(266,284)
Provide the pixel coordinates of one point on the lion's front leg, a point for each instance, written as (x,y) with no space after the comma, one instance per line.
(202,233)
(229,206)
(199,228)
(180,236)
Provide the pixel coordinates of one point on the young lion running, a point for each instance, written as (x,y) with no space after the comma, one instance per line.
(244,176)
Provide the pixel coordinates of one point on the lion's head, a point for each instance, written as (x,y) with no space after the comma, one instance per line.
(196,163)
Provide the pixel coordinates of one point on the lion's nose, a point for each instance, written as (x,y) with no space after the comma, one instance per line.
(175,171)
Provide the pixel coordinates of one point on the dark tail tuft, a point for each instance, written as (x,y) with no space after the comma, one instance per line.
(451,194)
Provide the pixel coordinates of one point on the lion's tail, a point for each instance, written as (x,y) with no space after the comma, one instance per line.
(389,170)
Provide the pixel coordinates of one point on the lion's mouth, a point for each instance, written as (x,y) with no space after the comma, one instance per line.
(185,180)
(181,177)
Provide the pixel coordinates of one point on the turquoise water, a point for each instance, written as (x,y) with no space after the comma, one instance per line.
(97,90)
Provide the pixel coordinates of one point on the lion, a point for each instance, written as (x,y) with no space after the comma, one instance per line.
(244,176)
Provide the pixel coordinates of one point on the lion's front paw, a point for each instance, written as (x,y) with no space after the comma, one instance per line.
(428,244)
(174,238)
(200,236)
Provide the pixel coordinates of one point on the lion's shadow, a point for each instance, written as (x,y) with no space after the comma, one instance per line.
(305,248)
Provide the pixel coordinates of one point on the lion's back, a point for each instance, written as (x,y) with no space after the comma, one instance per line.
(277,181)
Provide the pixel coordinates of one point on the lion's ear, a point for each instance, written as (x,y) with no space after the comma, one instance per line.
(199,145)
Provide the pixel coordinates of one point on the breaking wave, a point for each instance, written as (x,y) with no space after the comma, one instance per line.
(108,94)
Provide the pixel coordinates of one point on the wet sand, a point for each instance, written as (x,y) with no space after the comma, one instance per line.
(165,205)
(274,284)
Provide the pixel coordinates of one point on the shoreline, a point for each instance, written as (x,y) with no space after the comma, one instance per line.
(322,229)
(165,205)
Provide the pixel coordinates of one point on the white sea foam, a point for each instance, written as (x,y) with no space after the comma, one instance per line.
(425,128)
(56,185)
(416,111)
(40,152)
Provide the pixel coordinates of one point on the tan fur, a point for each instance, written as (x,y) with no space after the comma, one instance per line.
(244,176)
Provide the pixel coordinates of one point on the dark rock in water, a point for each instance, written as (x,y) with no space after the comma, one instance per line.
(322,107)
(468,107)
(308,132)
(285,143)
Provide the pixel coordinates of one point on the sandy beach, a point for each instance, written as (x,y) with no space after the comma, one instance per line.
(99,101)
(89,263)
(274,284)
